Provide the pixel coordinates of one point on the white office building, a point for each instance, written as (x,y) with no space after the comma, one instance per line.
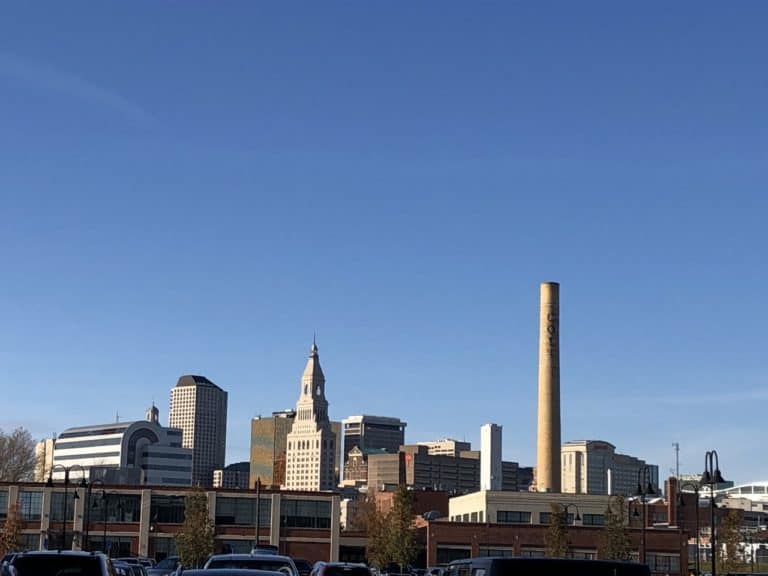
(490,457)
(199,409)
(149,452)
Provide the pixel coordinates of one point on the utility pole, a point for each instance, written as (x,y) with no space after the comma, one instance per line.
(676,446)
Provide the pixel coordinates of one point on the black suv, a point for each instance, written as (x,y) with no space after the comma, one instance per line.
(54,562)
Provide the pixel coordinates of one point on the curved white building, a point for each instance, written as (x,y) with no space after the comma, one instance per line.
(143,445)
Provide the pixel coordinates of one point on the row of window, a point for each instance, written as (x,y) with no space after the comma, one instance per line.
(524,517)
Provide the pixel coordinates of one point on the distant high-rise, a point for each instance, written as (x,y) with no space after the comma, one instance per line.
(373,433)
(269,439)
(548,437)
(312,448)
(490,457)
(199,408)
(446,447)
(594,467)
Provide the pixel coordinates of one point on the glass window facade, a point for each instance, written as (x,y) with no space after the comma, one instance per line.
(513,517)
(119,507)
(593,520)
(242,511)
(30,505)
(58,513)
(305,513)
(167,509)
(3,503)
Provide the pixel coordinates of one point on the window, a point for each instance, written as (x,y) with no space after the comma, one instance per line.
(169,509)
(3,503)
(30,505)
(664,563)
(305,513)
(513,517)
(593,520)
(242,511)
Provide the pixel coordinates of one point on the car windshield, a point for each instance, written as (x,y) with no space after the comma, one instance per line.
(58,565)
(253,563)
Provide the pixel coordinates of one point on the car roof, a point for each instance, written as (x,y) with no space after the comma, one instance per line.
(230,572)
(243,556)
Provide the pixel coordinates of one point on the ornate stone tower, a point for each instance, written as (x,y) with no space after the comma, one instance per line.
(311,450)
(548,469)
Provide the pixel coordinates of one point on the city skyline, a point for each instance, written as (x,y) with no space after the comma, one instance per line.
(197,189)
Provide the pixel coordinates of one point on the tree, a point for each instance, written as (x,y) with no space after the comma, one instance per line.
(615,542)
(400,523)
(10,539)
(17,455)
(729,540)
(195,541)
(376,527)
(556,538)
(392,536)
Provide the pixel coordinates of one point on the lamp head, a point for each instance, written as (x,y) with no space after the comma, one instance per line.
(49,482)
(639,490)
(706,478)
(649,489)
(76,496)
(718,478)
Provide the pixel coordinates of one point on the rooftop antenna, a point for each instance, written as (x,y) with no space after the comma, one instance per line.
(117,416)
(676,446)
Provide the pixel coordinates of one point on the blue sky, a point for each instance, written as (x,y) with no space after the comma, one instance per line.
(197,187)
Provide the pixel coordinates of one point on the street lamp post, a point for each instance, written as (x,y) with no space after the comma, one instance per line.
(681,504)
(712,478)
(258,510)
(644,489)
(82,484)
(89,504)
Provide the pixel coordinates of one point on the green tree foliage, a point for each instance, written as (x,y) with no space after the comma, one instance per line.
(556,538)
(10,539)
(403,533)
(17,455)
(615,541)
(729,557)
(392,536)
(195,541)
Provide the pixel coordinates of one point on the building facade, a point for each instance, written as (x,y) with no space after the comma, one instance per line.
(43,459)
(142,450)
(234,476)
(199,409)
(311,452)
(594,467)
(144,521)
(373,433)
(446,447)
(269,441)
(490,457)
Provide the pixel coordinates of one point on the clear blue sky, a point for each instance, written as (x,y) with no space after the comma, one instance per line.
(197,187)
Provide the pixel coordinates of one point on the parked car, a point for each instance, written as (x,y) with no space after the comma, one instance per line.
(303,566)
(56,562)
(504,566)
(146,562)
(269,562)
(165,566)
(5,563)
(340,569)
(229,572)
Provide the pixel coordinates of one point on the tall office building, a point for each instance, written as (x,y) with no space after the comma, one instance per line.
(490,457)
(312,448)
(199,408)
(43,459)
(371,434)
(594,467)
(269,439)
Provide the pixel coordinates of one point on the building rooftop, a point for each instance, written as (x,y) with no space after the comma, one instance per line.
(195,380)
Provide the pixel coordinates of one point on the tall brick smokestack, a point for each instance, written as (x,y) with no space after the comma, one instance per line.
(548,438)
